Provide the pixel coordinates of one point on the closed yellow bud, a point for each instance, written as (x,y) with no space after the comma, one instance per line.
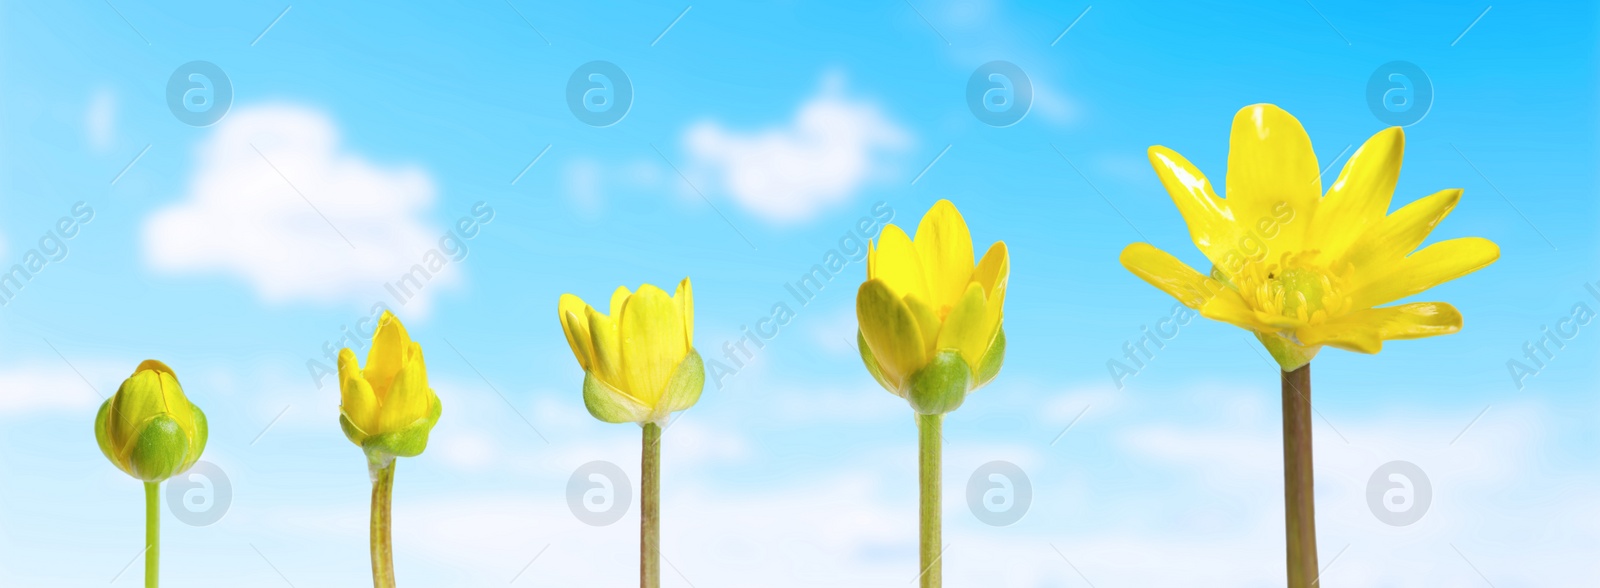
(149,429)
(929,317)
(387,407)
(639,360)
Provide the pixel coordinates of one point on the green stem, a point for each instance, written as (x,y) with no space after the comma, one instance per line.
(382,545)
(650,508)
(1300,521)
(152,533)
(929,437)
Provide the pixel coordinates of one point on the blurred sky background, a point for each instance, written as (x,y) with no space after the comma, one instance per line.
(757,135)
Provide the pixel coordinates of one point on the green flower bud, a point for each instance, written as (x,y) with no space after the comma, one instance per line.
(149,429)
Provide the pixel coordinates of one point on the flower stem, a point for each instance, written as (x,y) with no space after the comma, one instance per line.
(382,545)
(152,533)
(929,437)
(1299,513)
(650,508)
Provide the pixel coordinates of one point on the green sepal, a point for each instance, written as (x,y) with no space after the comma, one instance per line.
(685,385)
(611,405)
(103,437)
(1289,355)
(197,439)
(942,385)
(989,366)
(409,441)
(160,450)
(871,361)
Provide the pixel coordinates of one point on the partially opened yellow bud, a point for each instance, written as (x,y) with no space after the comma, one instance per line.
(639,360)
(387,407)
(929,318)
(149,429)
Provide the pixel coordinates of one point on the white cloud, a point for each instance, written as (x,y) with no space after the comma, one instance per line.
(100,120)
(833,147)
(33,388)
(278,202)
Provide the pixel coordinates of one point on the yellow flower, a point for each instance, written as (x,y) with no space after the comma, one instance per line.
(639,361)
(387,407)
(1299,269)
(149,429)
(930,321)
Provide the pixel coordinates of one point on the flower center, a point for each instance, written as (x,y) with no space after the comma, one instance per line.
(1294,288)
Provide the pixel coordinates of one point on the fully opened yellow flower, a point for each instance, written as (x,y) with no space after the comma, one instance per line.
(149,429)
(1301,269)
(387,407)
(639,360)
(930,320)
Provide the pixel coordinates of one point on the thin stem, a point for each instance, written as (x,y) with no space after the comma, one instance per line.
(1300,521)
(929,437)
(152,534)
(650,508)
(382,545)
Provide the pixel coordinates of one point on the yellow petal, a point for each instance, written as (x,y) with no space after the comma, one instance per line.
(970,328)
(994,270)
(945,247)
(409,397)
(389,345)
(606,347)
(1366,330)
(1270,161)
(1360,197)
(684,298)
(1398,234)
(618,298)
(571,311)
(895,262)
(1166,273)
(652,341)
(1211,225)
(356,399)
(927,321)
(890,330)
(1433,265)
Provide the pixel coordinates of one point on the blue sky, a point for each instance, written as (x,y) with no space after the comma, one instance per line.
(757,135)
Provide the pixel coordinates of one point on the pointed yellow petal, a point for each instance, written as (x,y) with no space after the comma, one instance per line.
(571,312)
(684,298)
(927,321)
(1433,265)
(896,264)
(1366,330)
(409,397)
(994,270)
(1270,161)
(356,400)
(1211,225)
(652,341)
(389,345)
(890,330)
(618,298)
(945,247)
(970,328)
(606,347)
(1398,234)
(1165,272)
(1360,197)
